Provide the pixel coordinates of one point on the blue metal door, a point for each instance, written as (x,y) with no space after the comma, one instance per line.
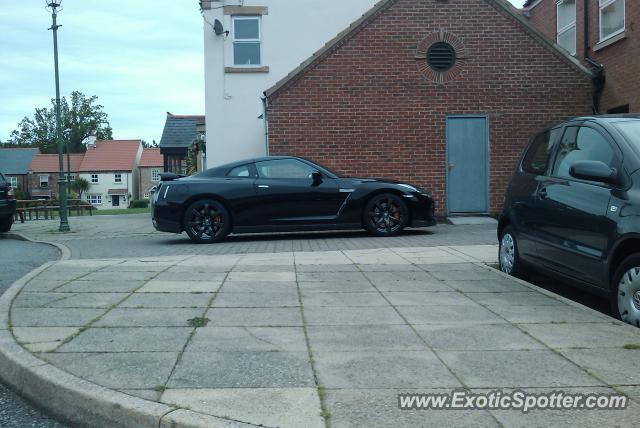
(467,164)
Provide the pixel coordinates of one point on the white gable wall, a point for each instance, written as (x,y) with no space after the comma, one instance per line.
(291,32)
(106,181)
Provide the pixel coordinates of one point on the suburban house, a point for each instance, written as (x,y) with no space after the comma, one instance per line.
(110,167)
(15,163)
(248,47)
(43,177)
(181,135)
(149,170)
(609,43)
(442,94)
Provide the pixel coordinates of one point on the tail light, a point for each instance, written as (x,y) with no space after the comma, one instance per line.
(10,193)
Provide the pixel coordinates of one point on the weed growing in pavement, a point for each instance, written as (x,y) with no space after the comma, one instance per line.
(198,322)
(632,346)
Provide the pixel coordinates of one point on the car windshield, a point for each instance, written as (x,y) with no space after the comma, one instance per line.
(631,130)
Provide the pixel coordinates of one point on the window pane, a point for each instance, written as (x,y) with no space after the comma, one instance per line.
(241,171)
(246,53)
(631,130)
(286,168)
(566,13)
(579,144)
(567,40)
(612,18)
(536,161)
(246,29)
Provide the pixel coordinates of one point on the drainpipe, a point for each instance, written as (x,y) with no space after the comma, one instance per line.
(599,78)
(265,118)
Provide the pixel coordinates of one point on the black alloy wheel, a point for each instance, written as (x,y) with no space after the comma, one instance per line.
(386,215)
(207,221)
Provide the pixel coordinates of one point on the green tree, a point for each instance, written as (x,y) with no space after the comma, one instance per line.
(80,185)
(79,117)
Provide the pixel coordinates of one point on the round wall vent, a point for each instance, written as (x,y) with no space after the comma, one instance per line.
(441,57)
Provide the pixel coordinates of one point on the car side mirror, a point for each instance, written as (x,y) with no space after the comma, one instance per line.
(594,171)
(317,178)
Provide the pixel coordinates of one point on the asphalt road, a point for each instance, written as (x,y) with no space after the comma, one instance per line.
(17,258)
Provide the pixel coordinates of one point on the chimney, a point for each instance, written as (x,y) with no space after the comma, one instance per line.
(91,140)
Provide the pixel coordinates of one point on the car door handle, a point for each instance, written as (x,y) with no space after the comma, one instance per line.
(543,193)
(263,186)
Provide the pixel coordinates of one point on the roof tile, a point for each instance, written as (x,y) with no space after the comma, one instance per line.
(111,155)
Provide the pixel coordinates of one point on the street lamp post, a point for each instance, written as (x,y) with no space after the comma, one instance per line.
(54,5)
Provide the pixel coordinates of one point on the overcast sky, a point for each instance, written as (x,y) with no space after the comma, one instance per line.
(141,57)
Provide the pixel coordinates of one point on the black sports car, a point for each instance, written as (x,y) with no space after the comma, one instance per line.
(284,194)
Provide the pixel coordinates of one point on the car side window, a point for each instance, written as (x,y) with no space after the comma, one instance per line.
(243,171)
(581,143)
(536,160)
(284,168)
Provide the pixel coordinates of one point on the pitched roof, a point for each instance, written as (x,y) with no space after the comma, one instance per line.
(178,132)
(16,161)
(501,5)
(199,118)
(111,155)
(151,157)
(50,163)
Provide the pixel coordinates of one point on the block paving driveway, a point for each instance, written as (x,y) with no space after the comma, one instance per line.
(308,338)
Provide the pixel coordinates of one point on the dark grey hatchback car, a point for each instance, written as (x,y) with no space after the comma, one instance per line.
(572,209)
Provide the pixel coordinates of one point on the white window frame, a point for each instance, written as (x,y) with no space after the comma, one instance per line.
(96,198)
(97,178)
(40,177)
(72,177)
(146,196)
(234,40)
(13,181)
(117,178)
(155,175)
(603,4)
(567,28)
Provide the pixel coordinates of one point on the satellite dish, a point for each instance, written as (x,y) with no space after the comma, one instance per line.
(218,28)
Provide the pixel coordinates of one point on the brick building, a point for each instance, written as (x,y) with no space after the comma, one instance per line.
(149,170)
(611,40)
(43,177)
(440,93)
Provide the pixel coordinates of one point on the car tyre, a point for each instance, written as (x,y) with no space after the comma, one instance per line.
(386,215)
(625,286)
(6,223)
(207,221)
(509,255)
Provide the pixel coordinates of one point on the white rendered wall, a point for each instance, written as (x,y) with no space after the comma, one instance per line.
(291,32)
(105,182)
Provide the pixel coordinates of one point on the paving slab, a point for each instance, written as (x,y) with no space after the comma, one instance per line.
(383,369)
(516,369)
(352,316)
(570,417)
(231,369)
(167,300)
(161,286)
(53,317)
(363,338)
(448,314)
(614,366)
(378,408)
(348,299)
(272,407)
(255,317)
(577,335)
(141,317)
(473,336)
(129,339)
(121,370)
(211,339)
(257,300)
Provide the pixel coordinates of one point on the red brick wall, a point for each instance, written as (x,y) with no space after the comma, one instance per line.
(621,59)
(366,110)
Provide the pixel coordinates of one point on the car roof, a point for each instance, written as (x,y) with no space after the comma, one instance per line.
(224,169)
